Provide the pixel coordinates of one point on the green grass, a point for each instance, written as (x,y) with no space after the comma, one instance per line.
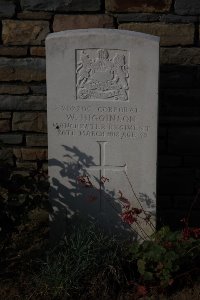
(85,254)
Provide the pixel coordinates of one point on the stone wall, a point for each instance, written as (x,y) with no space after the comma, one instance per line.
(24,26)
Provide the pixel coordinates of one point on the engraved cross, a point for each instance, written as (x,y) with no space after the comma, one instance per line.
(102,167)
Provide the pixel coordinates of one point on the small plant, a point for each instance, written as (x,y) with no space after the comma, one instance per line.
(129,215)
(162,258)
(24,209)
(72,267)
(89,264)
(165,257)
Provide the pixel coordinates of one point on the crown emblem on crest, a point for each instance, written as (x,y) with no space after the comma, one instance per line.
(102,76)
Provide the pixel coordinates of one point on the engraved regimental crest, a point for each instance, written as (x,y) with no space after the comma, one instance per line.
(102,74)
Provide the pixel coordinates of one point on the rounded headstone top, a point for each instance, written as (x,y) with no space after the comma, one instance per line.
(101,31)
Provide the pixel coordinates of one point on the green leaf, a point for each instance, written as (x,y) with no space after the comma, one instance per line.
(162,233)
(148,275)
(141,266)
(155,253)
(134,250)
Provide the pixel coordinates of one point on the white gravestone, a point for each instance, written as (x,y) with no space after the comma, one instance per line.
(102,90)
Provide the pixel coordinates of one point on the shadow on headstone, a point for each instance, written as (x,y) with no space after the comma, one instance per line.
(102,122)
(74,200)
(76,203)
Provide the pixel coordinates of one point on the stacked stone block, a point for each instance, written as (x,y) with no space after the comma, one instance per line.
(24,26)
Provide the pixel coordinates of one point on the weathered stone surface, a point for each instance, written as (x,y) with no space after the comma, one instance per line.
(137,17)
(191,161)
(64,22)
(24,69)
(185,7)
(174,120)
(5,125)
(14,89)
(26,165)
(162,146)
(14,139)
(7,9)
(34,15)
(61,5)
(148,17)
(178,19)
(178,76)
(184,140)
(182,202)
(29,121)
(170,34)
(169,161)
(5,115)
(36,140)
(90,122)
(29,102)
(34,154)
(199,29)
(38,89)
(176,181)
(162,132)
(198,76)
(45,166)
(138,5)
(164,202)
(30,153)
(183,95)
(186,202)
(7,153)
(37,51)
(182,56)
(17,32)
(181,103)
(13,51)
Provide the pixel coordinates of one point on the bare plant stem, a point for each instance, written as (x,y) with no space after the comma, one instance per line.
(186,273)
(136,197)
(144,234)
(142,230)
(147,222)
(192,249)
(132,229)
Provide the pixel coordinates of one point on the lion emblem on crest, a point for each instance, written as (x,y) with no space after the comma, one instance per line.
(102,77)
